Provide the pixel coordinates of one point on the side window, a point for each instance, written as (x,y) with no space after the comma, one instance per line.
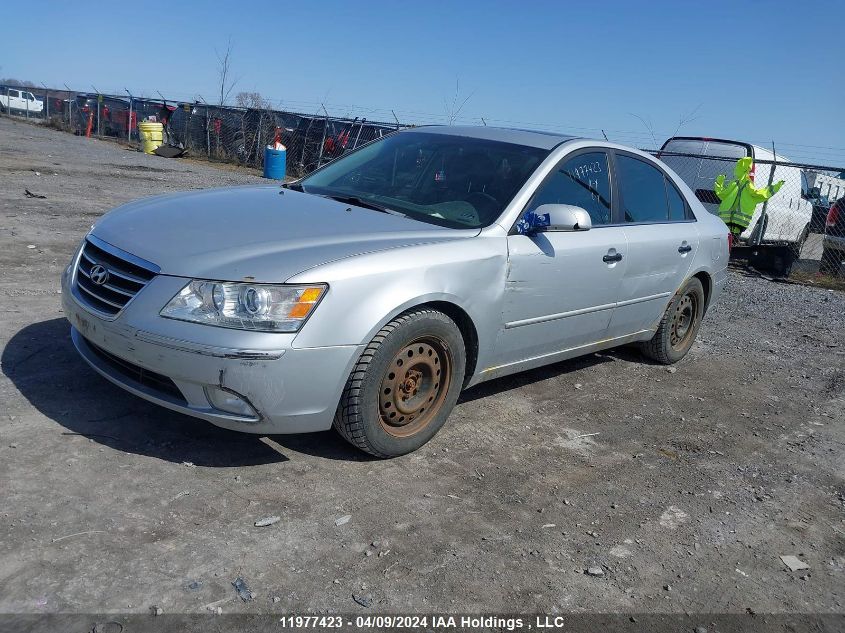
(677,206)
(642,189)
(14,93)
(581,181)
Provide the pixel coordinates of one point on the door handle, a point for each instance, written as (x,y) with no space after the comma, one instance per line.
(612,258)
(685,248)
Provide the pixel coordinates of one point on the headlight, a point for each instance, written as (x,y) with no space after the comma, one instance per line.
(245,306)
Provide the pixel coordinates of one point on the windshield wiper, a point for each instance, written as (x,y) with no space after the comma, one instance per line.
(295,186)
(360,202)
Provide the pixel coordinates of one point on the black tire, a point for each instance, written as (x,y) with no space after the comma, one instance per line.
(419,340)
(679,326)
(831,263)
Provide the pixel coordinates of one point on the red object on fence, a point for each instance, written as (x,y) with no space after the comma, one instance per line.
(833,214)
(278,137)
(217,125)
(343,139)
(90,125)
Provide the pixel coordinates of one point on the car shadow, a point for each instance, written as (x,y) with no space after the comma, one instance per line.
(42,363)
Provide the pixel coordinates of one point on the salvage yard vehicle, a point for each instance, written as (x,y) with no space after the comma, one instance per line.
(369,294)
(789,211)
(833,244)
(19,101)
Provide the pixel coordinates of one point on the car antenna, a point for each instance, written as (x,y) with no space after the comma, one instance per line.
(605,136)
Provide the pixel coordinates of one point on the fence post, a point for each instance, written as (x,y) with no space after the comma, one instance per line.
(207,130)
(46,100)
(27,104)
(357,136)
(129,120)
(323,142)
(69,104)
(258,140)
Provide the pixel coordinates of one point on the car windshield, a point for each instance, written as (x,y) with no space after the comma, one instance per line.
(452,181)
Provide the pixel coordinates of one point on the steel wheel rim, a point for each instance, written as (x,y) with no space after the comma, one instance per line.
(683,321)
(414,386)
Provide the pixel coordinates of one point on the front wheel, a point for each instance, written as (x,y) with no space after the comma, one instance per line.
(678,327)
(404,386)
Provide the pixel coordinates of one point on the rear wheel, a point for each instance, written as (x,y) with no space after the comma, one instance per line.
(678,328)
(404,386)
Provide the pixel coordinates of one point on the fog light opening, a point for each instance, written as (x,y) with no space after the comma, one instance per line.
(230,402)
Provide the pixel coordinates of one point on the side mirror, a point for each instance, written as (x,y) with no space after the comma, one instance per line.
(562,217)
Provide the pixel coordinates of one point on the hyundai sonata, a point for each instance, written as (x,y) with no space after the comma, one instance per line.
(368,295)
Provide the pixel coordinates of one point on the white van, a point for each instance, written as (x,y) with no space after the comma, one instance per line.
(788,212)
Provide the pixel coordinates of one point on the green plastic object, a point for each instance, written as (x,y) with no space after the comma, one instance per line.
(739,197)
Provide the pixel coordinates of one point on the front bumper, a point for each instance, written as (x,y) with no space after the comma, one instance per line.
(290,389)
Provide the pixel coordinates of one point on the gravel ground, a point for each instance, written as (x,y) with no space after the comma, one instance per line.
(682,487)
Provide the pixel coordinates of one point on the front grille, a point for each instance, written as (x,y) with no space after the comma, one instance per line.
(124,277)
(162,385)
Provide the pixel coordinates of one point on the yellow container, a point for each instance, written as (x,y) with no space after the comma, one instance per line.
(151,136)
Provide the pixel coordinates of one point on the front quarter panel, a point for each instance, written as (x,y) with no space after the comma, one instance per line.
(367,291)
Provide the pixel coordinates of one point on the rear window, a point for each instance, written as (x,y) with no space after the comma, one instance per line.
(705,147)
(697,169)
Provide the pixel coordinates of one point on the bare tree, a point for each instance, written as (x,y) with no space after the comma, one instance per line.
(453,108)
(648,126)
(252,101)
(224,71)
(9,81)
(683,120)
(687,118)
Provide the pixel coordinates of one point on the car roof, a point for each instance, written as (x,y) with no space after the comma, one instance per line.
(531,138)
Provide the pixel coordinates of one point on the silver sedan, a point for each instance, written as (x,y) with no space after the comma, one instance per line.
(368,295)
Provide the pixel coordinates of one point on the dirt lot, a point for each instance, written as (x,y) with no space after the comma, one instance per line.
(684,486)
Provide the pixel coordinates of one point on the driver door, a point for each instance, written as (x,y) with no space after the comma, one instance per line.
(562,287)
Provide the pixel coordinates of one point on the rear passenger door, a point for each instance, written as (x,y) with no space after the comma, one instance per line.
(662,242)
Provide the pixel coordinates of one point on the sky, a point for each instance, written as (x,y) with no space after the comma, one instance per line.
(639,71)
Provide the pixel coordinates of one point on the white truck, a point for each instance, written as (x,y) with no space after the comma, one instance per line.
(18,100)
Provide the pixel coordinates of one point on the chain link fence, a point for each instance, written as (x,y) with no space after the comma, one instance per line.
(792,231)
(240,135)
(222,133)
(799,230)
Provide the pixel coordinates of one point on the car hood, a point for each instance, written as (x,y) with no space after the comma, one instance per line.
(258,233)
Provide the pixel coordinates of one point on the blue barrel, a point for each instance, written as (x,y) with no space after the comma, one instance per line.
(275,161)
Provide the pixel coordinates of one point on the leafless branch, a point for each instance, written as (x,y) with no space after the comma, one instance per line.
(454,107)
(687,118)
(648,126)
(224,71)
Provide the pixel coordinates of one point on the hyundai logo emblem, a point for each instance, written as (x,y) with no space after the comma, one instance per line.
(99,275)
